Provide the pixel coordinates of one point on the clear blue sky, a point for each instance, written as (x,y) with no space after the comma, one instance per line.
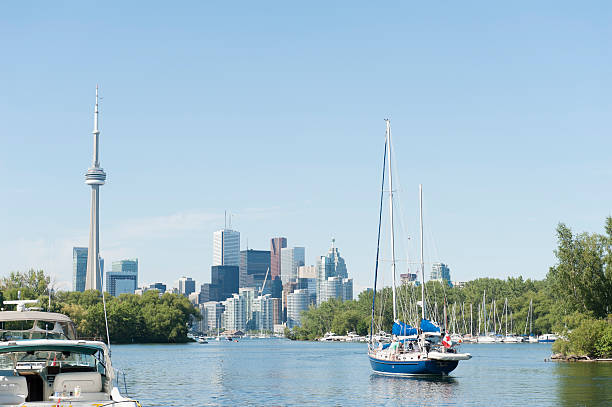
(274,111)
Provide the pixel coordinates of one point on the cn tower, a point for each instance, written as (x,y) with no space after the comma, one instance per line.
(95,177)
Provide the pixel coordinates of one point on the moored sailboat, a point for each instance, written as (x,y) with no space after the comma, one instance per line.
(412,351)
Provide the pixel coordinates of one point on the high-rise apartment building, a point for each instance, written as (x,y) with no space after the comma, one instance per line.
(186,286)
(234,314)
(408,279)
(123,279)
(214,312)
(276,244)
(249,294)
(440,272)
(297,303)
(291,260)
(254,264)
(226,248)
(263,313)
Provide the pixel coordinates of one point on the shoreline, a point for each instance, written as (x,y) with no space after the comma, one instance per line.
(557,357)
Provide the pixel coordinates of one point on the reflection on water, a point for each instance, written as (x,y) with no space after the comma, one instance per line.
(280,372)
(584,383)
(415,389)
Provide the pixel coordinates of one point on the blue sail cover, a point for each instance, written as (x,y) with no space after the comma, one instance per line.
(403,329)
(428,326)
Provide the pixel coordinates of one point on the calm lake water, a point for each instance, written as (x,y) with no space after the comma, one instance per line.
(281,372)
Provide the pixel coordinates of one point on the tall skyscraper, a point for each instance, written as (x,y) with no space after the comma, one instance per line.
(95,177)
(291,260)
(253,267)
(226,248)
(123,279)
(79,269)
(276,244)
(330,265)
(225,280)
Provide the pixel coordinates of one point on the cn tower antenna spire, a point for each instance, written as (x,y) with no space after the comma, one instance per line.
(96,133)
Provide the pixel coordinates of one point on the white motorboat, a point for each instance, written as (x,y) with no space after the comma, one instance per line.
(486,339)
(330,337)
(42,363)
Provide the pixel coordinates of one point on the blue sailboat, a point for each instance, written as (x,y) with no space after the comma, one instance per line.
(425,350)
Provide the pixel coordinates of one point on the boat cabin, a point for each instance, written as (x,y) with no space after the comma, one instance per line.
(43,370)
(20,325)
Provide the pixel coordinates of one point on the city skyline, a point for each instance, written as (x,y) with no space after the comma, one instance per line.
(508,132)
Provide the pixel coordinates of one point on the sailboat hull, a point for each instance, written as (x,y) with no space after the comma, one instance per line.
(417,367)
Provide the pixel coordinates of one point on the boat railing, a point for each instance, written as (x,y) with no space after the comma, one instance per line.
(120,377)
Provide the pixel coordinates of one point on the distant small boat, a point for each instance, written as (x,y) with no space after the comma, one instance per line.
(330,337)
(486,339)
(547,338)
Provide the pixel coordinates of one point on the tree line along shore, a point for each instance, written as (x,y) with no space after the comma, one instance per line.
(147,318)
(574,300)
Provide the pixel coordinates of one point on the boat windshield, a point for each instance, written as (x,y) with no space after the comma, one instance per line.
(39,359)
(34,329)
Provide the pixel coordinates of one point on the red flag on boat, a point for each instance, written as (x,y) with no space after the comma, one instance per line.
(446,341)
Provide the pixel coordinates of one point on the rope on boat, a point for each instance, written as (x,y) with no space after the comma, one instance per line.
(382,191)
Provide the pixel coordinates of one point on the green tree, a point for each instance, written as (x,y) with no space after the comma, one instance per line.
(582,278)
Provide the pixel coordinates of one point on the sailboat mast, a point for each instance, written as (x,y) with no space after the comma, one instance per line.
(471,329)
(422,261)
(391,217)
(484,312)
(531,315)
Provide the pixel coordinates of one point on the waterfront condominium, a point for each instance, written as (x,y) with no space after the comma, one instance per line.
(291,260)
(123,279)
(276,244)
(234,314)
(440,272)
(79,268)
(226,248)
(297,303)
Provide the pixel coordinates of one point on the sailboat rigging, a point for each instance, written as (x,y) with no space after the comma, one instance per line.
(422,350)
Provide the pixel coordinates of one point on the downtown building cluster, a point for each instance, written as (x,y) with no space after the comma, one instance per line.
(249,290)
(264,290)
